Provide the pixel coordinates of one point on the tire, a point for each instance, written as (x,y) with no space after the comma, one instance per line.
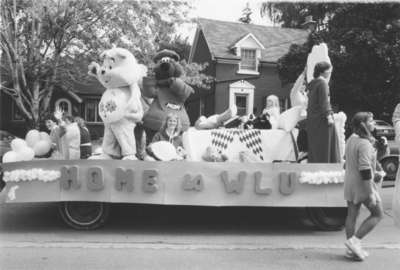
(84,215)
(327,218)
(390,165)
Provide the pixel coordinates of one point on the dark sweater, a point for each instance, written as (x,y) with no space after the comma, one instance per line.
(175,139)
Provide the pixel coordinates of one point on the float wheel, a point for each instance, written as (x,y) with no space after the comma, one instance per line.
(84,215)
(327,218)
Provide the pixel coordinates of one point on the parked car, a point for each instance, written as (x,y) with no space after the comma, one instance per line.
(384,129)
(5,142)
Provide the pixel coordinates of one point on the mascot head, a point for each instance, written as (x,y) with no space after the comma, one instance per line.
(119,69)
(167,65)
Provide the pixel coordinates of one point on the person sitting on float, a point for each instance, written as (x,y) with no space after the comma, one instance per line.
(71,140)
(86,143)
(56,132)
(272,108)
(171,132)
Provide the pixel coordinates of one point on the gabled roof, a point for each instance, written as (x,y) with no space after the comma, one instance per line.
(221,35)
(249,35)
(92,87)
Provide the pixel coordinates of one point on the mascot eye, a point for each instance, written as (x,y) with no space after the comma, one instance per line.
(110,67)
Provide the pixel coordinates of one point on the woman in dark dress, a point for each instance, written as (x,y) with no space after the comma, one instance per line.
(86,144)
(323,143)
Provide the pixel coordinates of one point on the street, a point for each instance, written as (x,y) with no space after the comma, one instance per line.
(160,237)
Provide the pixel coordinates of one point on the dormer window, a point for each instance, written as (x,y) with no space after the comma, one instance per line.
(249,59)
(248,48)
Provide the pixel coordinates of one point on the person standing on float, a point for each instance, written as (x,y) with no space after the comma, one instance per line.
(323,143)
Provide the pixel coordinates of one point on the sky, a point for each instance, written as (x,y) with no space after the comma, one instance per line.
(228,10)
(224,10)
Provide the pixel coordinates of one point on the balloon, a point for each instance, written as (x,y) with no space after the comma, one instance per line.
(113,105)
(25,154)
(42,148)
(44,136)
(10,156)
(32,137)
(18,144)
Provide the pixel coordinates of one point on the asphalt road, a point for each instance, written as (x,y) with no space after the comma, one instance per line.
(159,237)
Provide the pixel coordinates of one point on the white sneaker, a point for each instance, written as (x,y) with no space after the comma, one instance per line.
(355,247)
(350,255)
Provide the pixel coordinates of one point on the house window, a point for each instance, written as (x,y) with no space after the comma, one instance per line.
(241,104)
(65,105)
(249,59)
(92,111)
(16,114)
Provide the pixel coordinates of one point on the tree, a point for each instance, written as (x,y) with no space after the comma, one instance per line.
(246,13)
(47,44)
(364,46)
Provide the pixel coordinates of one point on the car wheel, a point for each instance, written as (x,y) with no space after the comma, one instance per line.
(84,215)
(390,165)
(327,218)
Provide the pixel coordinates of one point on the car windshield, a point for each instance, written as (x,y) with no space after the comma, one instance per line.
(381,123)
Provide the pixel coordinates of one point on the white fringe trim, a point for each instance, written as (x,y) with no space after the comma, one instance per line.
(322,177)
(30,175)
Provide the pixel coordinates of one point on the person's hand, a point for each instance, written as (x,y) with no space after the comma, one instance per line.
(331,121)
(379,176)
(58,113)
(382,140)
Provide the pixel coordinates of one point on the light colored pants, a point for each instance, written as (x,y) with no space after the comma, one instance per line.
(119,139)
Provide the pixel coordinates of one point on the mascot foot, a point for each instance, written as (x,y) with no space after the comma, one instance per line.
(216,120)
(228,114)
(101,156)
(130,157)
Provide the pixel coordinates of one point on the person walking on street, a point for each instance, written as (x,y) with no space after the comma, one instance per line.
(360,186)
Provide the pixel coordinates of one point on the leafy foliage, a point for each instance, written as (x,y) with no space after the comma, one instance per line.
(364,46)
(47,44)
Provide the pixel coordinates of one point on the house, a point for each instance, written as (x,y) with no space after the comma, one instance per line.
(243,60)
(83,102)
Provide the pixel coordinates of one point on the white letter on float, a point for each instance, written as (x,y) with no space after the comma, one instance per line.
(124,178)
(258,189)
(287,183)
(234,185)
(149,184)
(69,177)
(196,183)
(95,179)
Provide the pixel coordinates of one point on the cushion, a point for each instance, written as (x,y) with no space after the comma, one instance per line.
(289,118)
(275,144)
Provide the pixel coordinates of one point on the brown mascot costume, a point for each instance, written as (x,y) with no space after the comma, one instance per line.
(169,92)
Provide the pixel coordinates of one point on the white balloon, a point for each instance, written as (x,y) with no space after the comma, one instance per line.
(10,156)
(32,137)
(44,136)
(42,148)
(25,154)
(18,144)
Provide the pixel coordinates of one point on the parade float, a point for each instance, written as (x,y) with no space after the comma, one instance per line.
(224,167)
